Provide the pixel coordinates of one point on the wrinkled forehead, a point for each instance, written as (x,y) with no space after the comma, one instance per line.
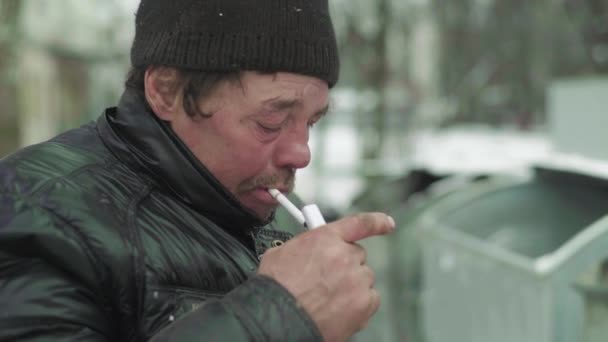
(281,90)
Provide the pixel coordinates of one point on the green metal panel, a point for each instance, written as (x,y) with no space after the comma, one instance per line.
(500,261)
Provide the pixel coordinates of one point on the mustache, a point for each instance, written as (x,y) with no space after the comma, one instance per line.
(283,179)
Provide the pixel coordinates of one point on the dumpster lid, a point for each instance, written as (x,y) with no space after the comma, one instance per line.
(573,163)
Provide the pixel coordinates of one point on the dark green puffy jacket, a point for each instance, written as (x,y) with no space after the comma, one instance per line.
(115,232)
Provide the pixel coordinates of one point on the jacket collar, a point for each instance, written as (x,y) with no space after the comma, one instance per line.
(147,144)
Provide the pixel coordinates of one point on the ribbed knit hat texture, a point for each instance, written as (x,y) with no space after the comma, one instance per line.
(230,35)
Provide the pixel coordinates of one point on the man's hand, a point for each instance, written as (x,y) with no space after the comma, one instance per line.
(325,270)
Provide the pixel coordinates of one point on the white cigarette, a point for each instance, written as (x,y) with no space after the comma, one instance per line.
(290,207)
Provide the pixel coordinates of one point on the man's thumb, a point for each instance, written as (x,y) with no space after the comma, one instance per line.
(360,226)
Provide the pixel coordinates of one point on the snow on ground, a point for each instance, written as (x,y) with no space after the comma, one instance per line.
(465,150)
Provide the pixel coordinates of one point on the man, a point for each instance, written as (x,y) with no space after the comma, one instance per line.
(151,222)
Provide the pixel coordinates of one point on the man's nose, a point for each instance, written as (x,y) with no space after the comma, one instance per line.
(293,150)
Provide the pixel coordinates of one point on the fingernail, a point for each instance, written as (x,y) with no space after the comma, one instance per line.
(391,221)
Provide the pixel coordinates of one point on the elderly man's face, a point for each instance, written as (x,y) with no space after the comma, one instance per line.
(258,134)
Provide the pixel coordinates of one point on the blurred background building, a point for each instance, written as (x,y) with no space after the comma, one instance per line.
(434,95)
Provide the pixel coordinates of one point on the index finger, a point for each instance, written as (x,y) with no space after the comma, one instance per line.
(360,226)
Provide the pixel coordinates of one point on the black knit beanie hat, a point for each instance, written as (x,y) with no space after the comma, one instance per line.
(230,35)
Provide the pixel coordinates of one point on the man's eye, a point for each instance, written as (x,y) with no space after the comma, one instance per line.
(313,122)
(268,129)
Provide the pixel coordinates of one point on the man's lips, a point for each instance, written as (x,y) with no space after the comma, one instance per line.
(285,191)
(261,194)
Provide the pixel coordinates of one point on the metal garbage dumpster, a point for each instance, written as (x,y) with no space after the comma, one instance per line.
(596,311)
(396,258)
(500,260)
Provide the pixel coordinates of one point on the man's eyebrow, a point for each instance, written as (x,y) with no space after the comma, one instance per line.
(279,104)
(323,111)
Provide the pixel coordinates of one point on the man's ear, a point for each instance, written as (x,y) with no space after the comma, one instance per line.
(163,91)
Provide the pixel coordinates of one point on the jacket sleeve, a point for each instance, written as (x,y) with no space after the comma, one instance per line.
(259,310)
(46,281)
(51,289)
